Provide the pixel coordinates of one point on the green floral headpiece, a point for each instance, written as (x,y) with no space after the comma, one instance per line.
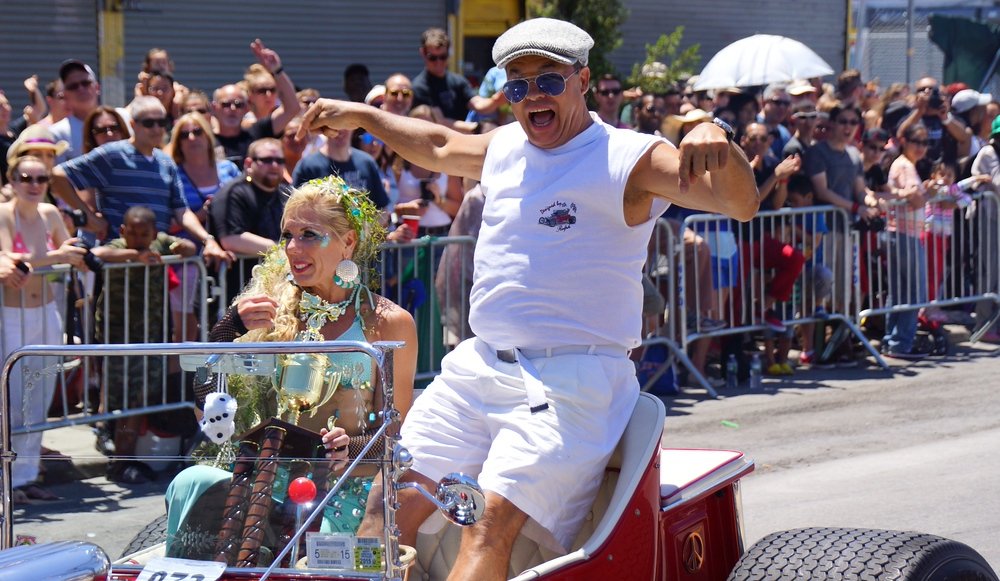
(364,218)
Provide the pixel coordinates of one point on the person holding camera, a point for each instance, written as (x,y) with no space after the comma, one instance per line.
(947,137)
(32,235)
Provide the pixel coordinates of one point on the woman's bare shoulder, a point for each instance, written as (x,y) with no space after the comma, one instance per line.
(389,321)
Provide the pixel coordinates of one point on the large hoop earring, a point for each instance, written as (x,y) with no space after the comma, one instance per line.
(347,274)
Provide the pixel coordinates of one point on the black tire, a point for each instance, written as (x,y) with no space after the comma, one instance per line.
(152,534)
(840,553)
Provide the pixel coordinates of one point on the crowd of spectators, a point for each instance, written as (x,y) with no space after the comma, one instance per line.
(213,168)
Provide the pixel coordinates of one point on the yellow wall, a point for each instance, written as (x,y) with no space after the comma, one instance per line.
(489,17)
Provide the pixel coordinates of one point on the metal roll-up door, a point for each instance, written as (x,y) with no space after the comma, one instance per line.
(36,36)
(209,41)
(820,24)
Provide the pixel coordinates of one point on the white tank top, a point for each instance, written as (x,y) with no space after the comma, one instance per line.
(556,264)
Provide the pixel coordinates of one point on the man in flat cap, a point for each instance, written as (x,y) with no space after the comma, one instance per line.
(535,404)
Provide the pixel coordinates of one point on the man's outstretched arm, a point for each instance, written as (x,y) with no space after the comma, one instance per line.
(429,145)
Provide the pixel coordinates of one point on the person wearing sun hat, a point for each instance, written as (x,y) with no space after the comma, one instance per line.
(36,141)
(675,127)
(538,400)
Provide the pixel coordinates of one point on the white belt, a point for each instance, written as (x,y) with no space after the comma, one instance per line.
(533,385)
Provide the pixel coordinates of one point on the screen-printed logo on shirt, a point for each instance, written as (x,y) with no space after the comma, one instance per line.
(559,215)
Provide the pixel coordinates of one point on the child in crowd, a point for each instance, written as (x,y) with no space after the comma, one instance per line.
(131,309)
(945,196)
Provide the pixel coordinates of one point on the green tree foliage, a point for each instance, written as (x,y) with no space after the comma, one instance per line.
(665,63)
(601,18)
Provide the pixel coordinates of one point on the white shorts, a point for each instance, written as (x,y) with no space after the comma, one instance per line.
(474,418)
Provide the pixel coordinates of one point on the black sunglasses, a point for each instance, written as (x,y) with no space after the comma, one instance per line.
(196,132)
(552,84)
(264,90)
(85,84)
(150,123)
(234,104)
(38,180)
(270,160)
(436,57)
(107,129)
(609,92)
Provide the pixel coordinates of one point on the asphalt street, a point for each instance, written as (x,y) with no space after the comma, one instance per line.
(911,450)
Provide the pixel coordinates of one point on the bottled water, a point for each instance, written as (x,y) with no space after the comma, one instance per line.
(732,371)
(756,372)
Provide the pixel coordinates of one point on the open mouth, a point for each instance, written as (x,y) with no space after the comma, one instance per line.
(299,268)
(542,117)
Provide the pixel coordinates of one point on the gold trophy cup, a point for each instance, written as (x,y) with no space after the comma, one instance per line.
(305,382)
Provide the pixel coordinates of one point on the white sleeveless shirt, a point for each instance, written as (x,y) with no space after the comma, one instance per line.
(556,264)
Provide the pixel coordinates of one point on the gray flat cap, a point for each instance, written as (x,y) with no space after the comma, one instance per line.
(558,40)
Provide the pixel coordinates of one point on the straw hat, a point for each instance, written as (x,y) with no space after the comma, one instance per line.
(672,124)
(35,137)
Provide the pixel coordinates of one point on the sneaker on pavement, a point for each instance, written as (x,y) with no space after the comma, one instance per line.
(774,369)
(809,358)
(774,322)
(786,369)
(821,314)
(707,325)
(910,355)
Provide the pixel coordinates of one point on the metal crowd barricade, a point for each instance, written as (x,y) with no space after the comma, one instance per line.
(431,277)
(92,309)
(663,271)
(798,262)
(947,253)
(139,303)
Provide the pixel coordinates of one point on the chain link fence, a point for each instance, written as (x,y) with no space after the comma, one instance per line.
(880,51)
(882,34)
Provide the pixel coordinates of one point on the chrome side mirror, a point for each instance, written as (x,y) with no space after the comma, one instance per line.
(459,497)
(463,499)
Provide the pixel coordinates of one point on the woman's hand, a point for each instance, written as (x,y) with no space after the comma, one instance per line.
(335,441)
(257,311)
(70,254)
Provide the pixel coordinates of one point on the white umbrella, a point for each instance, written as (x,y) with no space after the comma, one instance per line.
(761,59)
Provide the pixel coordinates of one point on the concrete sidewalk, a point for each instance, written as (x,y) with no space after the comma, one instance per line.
(77,442)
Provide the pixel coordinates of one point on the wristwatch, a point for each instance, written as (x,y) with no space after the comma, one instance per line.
(730,134)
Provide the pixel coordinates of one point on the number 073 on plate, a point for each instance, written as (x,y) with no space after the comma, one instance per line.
(168,569)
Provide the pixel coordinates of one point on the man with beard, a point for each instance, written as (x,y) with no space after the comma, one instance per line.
(246,213)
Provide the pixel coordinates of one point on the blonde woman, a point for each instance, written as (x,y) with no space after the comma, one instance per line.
(303,290)
(192,147)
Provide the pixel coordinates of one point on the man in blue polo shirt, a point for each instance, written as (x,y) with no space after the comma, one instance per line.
(135,172)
